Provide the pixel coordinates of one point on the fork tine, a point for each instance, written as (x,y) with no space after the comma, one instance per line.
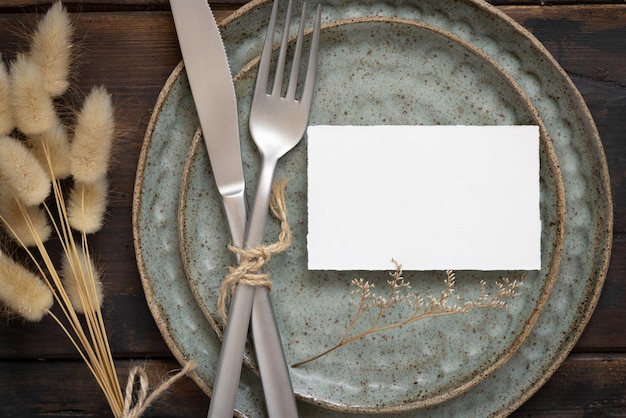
(295,66)
(266,55)
(309,81)
(280,66)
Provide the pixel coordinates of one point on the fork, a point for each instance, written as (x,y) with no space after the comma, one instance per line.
(277,125)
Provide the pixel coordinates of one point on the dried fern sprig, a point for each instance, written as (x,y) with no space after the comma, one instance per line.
(51,49)
(6,113)
(93,137)
(22,173)
(422,307)
(33,109)
(22,291)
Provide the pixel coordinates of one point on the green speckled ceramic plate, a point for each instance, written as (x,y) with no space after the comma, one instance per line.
(588,217)
(371,72)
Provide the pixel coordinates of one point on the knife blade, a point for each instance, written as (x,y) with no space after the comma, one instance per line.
(214,96)
(208,71)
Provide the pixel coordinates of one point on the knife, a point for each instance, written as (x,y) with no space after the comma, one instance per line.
(213,92)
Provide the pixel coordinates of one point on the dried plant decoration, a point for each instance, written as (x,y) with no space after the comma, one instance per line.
(76,265)
(93,137)
(56,144)
(33,111)
(51,49)
(6,113)
(22,173)
(35,156)
(421,307)
(27,224)
(23,291)
(87,205)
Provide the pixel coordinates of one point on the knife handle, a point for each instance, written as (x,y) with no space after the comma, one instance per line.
(229,365)
(228,371)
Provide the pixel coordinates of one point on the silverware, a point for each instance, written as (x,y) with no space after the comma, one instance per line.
(277,124)
(210,79)
(213,92)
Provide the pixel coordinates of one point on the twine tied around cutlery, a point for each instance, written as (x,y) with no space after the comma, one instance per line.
(251,260)
(136,401)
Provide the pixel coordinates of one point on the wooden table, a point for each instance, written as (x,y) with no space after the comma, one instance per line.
(131,47)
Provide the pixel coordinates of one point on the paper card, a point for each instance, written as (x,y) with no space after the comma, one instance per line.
(431,197)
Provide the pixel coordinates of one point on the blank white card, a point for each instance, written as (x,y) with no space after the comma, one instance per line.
(431,197)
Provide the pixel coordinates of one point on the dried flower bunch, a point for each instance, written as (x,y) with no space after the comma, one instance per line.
(53,186)
(448,303)
(37,151)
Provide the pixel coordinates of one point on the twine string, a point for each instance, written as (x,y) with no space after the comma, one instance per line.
(137,401)
(251,260)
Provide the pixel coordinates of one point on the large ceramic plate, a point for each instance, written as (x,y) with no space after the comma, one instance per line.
(588,217)
(370,72)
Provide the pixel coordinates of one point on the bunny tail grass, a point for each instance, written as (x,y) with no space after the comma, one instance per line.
(22,173)
(52,148)
(33,109)
(51,49)
(87,205)
(28,228)
(6,113)
(93,137)
(22,291)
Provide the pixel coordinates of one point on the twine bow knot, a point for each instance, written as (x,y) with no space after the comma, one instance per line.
(251,260)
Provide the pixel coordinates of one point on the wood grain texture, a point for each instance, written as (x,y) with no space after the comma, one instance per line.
(131,47)
(585,386)
(66,389)
(21,6)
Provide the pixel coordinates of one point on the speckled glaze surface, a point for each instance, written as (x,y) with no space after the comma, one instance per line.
(378,71)
(588,218)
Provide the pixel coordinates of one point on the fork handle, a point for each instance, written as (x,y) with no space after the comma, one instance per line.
(273,367)
(279,396)
(277,387)
(258,214)
(230,361)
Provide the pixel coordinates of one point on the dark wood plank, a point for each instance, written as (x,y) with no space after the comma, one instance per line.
(606,329)
(56,389)
(551,3)
(20,6)
(586,385)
